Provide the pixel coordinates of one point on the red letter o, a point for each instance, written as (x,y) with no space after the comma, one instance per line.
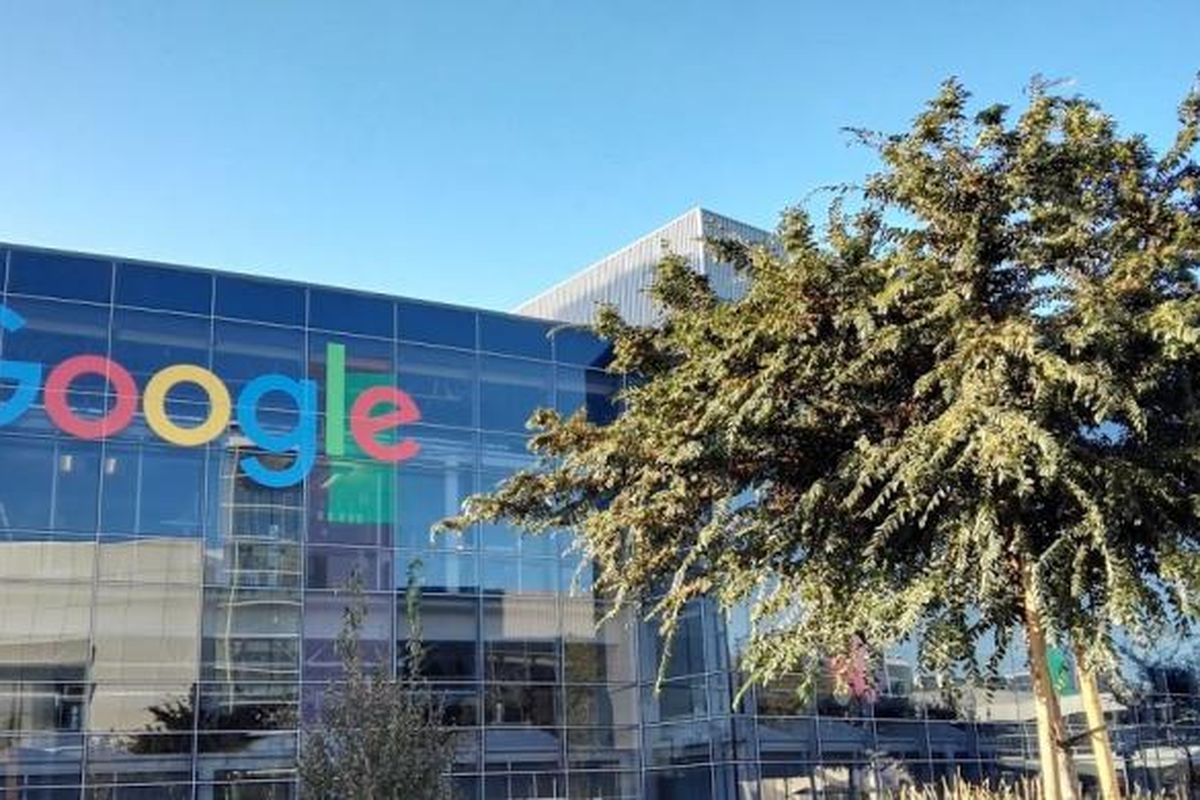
(59,383)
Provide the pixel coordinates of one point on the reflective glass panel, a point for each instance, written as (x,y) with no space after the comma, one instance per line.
(49,484)
(587,389)
(580,346)
(59,275)
(145,342)
(449,633)
(443,383)
(261,301)
(153,490)
(148,286)
(510,391)
(514,336)
(435,324)
(332,310)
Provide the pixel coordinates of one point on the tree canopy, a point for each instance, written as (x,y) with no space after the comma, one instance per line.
(976,377)
(379,736)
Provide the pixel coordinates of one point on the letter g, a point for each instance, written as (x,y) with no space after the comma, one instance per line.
(27,374)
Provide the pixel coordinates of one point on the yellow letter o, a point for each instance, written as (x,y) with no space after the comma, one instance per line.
(154,403)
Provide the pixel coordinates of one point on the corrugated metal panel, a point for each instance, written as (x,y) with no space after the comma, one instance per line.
(623,278)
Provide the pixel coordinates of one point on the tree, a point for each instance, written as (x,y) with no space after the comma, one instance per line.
(965,410)
(380,737)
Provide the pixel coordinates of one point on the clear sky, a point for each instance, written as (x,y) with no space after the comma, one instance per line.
(478,152)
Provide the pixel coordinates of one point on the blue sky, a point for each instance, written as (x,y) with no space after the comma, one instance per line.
(478,152)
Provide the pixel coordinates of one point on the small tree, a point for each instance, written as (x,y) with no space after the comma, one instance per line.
(967,409)
(379,737)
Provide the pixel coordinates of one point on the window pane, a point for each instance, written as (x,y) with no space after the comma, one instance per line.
(48,617)
(242,352)
(261,301)
(162,287)
(450,634)
(145,342)
(514,336)
(332,310)
(336,567)
(352,502)
(27,488)
(147,633)
(442,382)
(588,389)
(251,636)
(452,572)
(435,324)
(27,556)
(521,639)
(49,484)
(510,391)
(522,704)
(367,363)
(601,705)
(153,490)
(582,347)
(597,652)
(255,541)
(443,448)
(150,560)
(56,331)
(323,619)
(59,275)
(424,498)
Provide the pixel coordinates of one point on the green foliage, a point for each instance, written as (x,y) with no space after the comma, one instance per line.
(983,364)
(379,737)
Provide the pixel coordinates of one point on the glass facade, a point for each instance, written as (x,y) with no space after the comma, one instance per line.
(167,620)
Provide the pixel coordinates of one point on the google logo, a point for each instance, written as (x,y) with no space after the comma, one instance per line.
(376,411)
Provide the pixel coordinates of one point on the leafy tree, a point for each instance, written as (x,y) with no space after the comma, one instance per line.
(379,737)
(964,409)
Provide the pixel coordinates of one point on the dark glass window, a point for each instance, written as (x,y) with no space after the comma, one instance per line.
(514,336)
(153,490)
(250,636)
(261,301)
(336,567)
(164,288)
(521,639)
(59,275)
(367,363)
(56,331)
(442,448)
(145,341)
(140,637)
(510,390)
(49,484)
(450,633)
(581,346)
(433,324)
(451,572)
(324,613)
(353,313)
(242,352)
(442,382)
(426,496)
(351,502)
(588,389)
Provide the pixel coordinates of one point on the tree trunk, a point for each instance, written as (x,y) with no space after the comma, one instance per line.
(1057,781)
(1097,729)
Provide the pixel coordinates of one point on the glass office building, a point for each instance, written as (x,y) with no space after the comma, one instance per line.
(173,556)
